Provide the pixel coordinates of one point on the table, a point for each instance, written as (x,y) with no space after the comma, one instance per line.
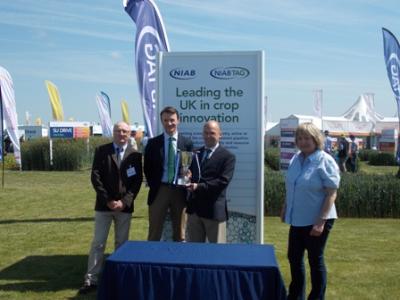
(193,271)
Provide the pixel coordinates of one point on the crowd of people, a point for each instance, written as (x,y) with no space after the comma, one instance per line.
(345,153)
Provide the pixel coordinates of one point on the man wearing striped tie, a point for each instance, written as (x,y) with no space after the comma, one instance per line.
(159,167)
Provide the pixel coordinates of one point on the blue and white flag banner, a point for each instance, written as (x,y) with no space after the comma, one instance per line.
(150,39)
(104,108)
(391,50)
(10,111)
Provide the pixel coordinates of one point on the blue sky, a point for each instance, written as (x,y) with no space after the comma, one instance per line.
(86,46)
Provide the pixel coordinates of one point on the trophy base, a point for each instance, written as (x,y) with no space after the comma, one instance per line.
(182,182)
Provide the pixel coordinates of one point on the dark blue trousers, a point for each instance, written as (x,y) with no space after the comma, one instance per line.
(299,241)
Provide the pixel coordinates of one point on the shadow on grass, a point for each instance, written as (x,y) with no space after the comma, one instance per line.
(45,273)
(49,220)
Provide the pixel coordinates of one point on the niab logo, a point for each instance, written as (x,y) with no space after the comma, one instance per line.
(226,73)
(182,74)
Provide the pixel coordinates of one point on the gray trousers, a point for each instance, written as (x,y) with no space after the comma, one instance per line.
(103,220)
(201,228)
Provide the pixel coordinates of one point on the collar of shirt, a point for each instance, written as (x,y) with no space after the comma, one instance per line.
(212,150)
(122,148)
(313,156)
(167,136)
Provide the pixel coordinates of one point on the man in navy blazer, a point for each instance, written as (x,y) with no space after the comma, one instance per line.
(116,177)
(159,156)
(207,207)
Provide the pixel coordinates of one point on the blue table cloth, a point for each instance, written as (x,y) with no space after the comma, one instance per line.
(167,270)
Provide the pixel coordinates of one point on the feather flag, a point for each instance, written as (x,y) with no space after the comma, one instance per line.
(10,111)
(27,118)
(318,103)
(125,112)
(150,39)
(55,101)
(104,108)
(391,50)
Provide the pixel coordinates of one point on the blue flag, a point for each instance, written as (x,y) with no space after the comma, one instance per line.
(107,101)
(150,39)
(391,50)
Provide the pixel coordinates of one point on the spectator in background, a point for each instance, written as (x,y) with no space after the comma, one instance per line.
(327,143)
(343,152)
(353,153)
(312,180)
(132,140)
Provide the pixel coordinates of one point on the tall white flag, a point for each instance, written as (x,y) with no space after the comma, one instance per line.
(10,111)
(103,106)
(318,103)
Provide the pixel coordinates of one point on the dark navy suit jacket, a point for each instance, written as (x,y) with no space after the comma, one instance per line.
(209,199)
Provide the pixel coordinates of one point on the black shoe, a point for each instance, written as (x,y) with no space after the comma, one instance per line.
(87,288)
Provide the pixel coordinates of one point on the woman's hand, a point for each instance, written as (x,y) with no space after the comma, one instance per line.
(318,228)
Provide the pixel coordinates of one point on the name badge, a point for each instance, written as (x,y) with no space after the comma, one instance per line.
(131,172)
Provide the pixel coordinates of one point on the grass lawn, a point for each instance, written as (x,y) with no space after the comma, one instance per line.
(46,224)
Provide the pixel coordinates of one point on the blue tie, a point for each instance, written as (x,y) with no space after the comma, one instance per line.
(206,156)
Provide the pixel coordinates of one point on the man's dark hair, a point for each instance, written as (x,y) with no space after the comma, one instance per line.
(170,110)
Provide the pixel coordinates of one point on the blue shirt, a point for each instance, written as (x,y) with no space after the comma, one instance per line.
(306,180)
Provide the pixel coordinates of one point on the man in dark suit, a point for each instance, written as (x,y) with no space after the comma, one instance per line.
(159,167)
(207,206)
(116,178)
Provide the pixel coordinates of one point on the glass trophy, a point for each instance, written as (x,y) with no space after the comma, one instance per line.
(185,160)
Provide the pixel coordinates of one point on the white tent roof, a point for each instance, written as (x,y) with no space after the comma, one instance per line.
(363,110)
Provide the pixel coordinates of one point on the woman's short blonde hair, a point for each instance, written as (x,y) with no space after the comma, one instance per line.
(311,130)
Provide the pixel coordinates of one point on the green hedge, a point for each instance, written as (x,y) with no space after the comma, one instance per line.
(9,162)
(382,159)
(359,195)
(365,154)
(68,154)
(271,158)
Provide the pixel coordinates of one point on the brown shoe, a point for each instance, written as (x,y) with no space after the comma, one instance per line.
(87,288)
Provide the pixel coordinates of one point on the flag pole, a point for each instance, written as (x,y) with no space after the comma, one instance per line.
(2,140)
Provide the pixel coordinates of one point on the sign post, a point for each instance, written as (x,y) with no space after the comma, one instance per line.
(227,87)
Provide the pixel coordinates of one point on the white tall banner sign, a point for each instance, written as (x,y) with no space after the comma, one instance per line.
(226,87)
(10,111)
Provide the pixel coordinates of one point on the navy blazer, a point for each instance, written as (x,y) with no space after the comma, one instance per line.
(209,199)
(154,161)
(113,182)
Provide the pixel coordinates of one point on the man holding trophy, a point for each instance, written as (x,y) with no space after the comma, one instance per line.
(162,157)
(207,207)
